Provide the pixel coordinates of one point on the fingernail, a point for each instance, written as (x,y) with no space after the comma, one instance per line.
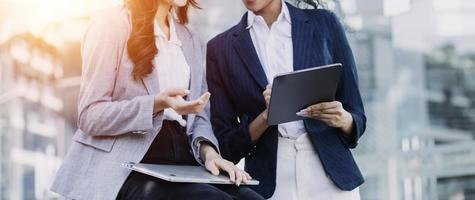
(301,114)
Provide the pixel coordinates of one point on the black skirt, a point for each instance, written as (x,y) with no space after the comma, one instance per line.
(170,146)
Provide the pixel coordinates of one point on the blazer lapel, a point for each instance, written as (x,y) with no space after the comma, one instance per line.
(190,52)
(302,37)
(245,47)
(151,82)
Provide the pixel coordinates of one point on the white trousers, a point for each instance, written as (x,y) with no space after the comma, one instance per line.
(300,175)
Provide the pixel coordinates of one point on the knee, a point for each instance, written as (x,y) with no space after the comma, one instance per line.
(145,189)
(248,193)
(204,192)
(150,188)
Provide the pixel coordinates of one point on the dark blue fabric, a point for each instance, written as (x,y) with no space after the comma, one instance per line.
(236,81)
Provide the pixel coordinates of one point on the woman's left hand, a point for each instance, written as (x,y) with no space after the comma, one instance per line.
(214,163)
(331,113)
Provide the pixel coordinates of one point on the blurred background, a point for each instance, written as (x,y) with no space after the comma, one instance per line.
(416,63)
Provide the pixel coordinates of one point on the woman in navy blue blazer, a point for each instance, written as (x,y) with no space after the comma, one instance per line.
(307,159)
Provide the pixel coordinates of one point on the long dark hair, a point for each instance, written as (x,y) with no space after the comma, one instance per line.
(141,44)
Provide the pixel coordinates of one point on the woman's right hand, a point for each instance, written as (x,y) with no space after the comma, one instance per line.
(267,94)
(259,125)
(174,98)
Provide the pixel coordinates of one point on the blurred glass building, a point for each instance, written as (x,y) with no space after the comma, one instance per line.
(39,84)
(416,64)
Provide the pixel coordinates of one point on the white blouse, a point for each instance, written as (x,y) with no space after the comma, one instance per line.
(275,51)
(173,70)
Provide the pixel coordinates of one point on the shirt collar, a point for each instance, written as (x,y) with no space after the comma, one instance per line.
(173,35)
(283,15)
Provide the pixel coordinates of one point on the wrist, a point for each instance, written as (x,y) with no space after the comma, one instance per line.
(159,103)
(347,126)
(258,126)
(264,115)
(207,152)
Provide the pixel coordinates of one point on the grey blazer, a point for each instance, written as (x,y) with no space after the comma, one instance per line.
(116,123)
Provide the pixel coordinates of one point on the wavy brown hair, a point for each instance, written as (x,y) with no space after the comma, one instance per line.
(141,44)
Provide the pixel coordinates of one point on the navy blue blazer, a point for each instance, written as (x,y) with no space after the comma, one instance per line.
(236,81)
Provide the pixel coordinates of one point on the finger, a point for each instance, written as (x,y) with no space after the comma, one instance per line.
(267,98)
(239,176)
(245,179)
(336,111)
(324,105)
(178,92)
(191,104)
(303,114)
(248,175)
(205,97)
(324,116)
(315,113)
(213,168)
(232,174)
(226,167)
(312,108)
(188,107)
(333,104)
(320,106)
(267,92)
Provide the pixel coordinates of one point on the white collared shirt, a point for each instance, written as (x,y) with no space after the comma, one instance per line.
(173,70)
(275,51)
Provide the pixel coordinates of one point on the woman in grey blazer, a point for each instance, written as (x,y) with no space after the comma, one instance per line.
(143,98)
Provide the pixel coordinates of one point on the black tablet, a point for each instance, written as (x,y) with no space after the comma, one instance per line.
(294,91)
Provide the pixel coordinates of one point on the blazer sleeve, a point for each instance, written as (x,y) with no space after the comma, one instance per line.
(202,130)
(348,90)
(99,115)
(233,134)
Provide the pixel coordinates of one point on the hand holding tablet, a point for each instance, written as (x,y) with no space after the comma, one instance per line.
(291,95)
